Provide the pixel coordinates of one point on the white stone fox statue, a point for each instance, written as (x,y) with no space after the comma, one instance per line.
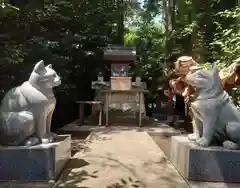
(215,116)
(26,111)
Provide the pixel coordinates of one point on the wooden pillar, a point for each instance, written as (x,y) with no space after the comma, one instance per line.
(81,113)
(170,107)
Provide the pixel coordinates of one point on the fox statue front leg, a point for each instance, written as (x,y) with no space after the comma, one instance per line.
(197,127)
(196,133)
(50,135)
(208,125)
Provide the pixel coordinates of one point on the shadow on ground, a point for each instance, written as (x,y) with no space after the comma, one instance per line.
(92,167)
(78,172)
(87,166)
(76,177)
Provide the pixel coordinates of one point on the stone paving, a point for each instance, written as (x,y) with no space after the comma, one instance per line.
(125,157)
(115,159)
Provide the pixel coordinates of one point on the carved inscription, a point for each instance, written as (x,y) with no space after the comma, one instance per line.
(233,167)
(203,164)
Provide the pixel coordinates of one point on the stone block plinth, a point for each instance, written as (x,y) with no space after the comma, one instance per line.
(213,164)
(36,163)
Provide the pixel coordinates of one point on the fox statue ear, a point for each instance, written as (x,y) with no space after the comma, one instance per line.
(215,69)
(49,66)
(39,66)
(215,74)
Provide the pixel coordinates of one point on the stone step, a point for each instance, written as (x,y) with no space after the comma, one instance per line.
(122,120)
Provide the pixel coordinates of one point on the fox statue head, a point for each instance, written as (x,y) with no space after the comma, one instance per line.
(44,76)
(207,82)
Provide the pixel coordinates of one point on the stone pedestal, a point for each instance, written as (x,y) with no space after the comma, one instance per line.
(213,164)
(37,163)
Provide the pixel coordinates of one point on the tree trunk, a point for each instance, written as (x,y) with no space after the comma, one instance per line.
(169,19)
(120,24)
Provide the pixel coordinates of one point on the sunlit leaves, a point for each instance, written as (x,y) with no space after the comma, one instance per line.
(227,39)
(230,13)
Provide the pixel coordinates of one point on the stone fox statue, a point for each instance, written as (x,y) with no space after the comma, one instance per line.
(216,117)
(26,111)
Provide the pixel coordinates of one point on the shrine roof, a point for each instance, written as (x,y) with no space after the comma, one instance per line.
(127,51)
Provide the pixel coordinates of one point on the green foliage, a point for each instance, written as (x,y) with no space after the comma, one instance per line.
(207,66)
(71,35)
(149,41)
(68,34)
(226,43)
(130,37)
(207,30)
(148,37)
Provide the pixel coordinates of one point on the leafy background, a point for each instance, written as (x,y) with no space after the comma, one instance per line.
(71,36)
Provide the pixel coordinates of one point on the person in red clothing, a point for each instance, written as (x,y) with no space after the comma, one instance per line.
(178,99)
(177,85)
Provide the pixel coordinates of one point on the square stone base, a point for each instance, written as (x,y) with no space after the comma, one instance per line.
(36,163)
(213,164)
